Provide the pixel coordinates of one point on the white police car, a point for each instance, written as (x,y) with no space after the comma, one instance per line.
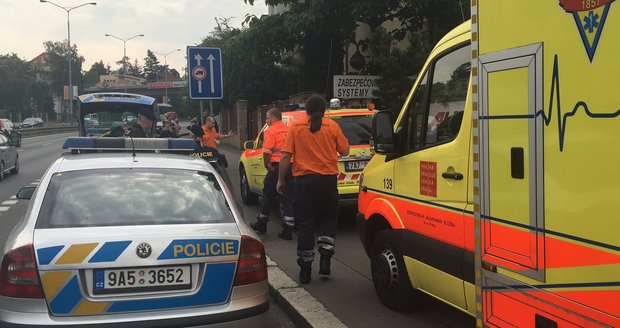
(136,238)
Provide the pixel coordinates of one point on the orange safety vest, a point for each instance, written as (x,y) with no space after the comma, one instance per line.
(274,139)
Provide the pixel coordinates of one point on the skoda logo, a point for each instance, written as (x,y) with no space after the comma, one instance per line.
(143,250)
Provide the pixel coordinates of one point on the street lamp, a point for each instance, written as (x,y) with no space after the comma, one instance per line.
(166,68)
(68,10)
(124,54)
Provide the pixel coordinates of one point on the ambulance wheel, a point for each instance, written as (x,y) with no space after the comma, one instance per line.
(247,196)
(389,275)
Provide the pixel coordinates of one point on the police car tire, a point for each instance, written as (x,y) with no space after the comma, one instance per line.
(247,196)
(395,291)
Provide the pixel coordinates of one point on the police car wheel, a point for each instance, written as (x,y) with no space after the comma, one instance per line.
(247,196)
(389,275)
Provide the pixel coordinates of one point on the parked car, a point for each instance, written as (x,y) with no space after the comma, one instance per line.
(31,122)
(11,131)
(356,126)
(9,159)
(121,238)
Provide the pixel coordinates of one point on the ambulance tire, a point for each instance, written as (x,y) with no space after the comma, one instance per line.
(389,275)
(247,196)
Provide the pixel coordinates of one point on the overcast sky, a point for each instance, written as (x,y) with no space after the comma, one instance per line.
(166,24)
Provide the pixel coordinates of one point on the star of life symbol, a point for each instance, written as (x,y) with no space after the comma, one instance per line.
(590,16)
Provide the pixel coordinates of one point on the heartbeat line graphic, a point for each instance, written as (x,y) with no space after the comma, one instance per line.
(562,119)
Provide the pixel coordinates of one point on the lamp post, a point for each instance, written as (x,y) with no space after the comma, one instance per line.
(166,68)
(124,54)
(68,10)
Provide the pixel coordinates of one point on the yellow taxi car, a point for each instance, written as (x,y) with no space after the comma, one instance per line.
(356,126)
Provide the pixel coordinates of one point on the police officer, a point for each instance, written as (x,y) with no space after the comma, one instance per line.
(315,142)
(146,118)
(272,153)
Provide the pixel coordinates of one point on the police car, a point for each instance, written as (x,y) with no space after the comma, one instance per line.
(127,233)
(356,126)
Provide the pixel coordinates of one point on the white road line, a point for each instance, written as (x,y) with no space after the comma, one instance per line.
(9,202)
(13,197)
(47,144)
(4,208)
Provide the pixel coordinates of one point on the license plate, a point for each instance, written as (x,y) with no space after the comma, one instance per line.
(355,166)
(128,280)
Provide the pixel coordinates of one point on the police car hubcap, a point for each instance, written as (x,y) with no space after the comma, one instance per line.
(143,250)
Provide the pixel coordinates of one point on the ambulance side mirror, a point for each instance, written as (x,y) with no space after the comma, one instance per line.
(382,132)
(248,145)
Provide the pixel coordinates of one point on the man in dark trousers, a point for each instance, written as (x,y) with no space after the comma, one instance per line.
(315,142)
(272,154)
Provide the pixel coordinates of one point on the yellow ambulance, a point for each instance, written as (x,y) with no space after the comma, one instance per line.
(355,124)
(494,190)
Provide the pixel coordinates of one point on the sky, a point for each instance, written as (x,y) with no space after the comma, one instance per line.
(166,24)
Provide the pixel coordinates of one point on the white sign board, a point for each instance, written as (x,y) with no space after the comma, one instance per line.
(355,86)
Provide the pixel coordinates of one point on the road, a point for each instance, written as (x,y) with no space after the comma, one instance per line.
(35,155)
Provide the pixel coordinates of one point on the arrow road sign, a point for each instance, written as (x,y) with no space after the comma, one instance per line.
(205,78)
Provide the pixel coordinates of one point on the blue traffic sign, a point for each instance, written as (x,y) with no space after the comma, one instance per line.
(205,73)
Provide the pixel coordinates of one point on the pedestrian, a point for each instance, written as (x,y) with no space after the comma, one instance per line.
(315,143)
(211,134)
(146,120)
(272,154)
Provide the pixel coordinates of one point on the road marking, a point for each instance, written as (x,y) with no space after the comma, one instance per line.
(4,208)
(13,197)
(9,202)
(47,144)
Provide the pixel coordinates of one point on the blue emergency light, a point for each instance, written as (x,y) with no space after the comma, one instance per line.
(129,144)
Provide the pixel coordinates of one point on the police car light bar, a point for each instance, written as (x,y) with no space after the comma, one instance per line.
(128,144)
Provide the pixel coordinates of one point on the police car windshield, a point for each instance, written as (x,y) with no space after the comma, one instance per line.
(124,197)
(357,129)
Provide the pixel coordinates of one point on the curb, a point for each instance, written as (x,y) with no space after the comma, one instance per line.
(304,309)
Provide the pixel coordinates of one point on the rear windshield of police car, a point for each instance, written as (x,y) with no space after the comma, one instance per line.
(357,129)
(127,197)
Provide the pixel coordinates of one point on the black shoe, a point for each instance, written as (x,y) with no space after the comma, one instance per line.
(305,271)
(260,227)
(325,263)
(286,234)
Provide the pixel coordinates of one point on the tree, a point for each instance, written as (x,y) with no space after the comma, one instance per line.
(21,92)
(135,69)
(57,56)
(151,66)
(91,77)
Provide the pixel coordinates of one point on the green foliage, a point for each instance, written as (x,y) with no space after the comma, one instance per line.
(151,66)
(57,59)
(21,92)
(91,77)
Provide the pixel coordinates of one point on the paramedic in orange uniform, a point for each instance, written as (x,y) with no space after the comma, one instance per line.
(211,134)
(272,153)
(315,142)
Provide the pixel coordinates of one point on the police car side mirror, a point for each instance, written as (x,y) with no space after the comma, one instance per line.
(382,132)
(248,145)
(26,192)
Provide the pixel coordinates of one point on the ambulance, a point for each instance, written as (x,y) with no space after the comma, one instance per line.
(355,124)
(494,191)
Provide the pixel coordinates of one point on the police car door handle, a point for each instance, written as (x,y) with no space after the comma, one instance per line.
(452,175)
